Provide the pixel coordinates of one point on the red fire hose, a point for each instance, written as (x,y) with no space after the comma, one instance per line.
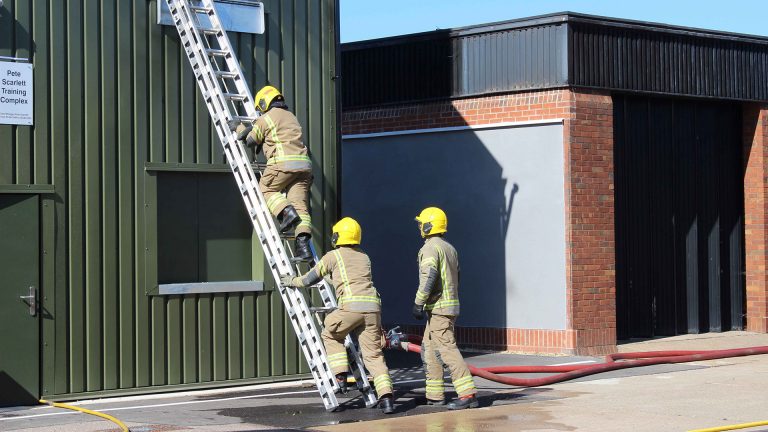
(568,372)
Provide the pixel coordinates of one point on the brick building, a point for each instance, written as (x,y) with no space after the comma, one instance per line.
(604,179)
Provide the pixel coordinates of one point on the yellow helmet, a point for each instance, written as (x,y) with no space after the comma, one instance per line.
(346,232)
(432,221)
(265,96)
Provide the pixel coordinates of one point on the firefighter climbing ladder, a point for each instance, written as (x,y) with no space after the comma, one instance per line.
(228,98)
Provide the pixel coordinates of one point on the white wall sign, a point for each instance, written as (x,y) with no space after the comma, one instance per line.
(242,16)
(15,93)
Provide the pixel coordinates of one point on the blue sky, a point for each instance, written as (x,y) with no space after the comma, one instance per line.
(368,19)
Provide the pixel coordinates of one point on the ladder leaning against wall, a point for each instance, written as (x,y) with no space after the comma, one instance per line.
(228,97)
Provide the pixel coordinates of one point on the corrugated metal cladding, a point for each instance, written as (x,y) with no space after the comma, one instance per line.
(113,93)
(555,50)
(679,216)
(445,65)
(678,63)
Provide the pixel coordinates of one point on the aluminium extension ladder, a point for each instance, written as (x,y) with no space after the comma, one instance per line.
(227,96)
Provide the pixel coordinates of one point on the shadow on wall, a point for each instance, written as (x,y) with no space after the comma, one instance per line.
(394,179)
(19,42)
(13,393)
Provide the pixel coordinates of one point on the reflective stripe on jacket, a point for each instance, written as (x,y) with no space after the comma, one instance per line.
(442,298)
(350,271)
(279,131)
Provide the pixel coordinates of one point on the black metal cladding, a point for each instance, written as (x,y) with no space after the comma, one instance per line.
(445,64)
(679,216)
(551,51)
(415,70)
(675,63)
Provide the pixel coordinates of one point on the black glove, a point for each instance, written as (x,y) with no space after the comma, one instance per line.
(233,124)
(245,132)
(418,311)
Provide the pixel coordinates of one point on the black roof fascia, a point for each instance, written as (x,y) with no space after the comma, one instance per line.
(554,19)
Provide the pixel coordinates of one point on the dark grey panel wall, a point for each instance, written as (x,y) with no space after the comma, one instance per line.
(113,93)
(503,192)
(527,58)
(443,65)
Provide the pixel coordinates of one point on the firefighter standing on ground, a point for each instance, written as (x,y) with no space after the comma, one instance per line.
(359,309)
(438,295)
(288,166)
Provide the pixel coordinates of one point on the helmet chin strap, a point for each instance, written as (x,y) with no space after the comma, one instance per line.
(334,239)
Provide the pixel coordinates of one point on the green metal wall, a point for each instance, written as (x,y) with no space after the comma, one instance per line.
(114,93)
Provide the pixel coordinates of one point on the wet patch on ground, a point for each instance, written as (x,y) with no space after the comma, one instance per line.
(295,408)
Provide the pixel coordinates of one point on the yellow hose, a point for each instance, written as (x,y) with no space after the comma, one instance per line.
(122,425)
(732,427)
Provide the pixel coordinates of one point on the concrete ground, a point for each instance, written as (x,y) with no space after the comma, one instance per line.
(656,398)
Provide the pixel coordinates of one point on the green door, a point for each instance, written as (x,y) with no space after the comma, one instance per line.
(19,269)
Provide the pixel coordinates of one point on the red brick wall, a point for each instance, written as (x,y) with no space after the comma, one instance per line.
(756,215)
(528,341)
(519,107)
(588,143)
(590,269)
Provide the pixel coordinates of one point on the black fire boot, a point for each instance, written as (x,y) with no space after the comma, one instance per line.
(341,379)
(435,401)
(287,219)
(465,402)
(387,404)
(303,252)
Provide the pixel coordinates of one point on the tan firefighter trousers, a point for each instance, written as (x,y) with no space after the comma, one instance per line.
(296,184)
(439,338)
(367,327)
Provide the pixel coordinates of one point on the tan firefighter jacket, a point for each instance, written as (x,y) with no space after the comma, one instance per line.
(440,293)
(279,131)
(350,270)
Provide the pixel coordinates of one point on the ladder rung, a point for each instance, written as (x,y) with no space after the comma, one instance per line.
(322,309)
(210,31)
(216,52)
(234,96)
(226,74)
(244,118)
(201,9)
(295,260)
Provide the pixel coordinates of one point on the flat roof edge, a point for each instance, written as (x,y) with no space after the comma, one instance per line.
(555,19)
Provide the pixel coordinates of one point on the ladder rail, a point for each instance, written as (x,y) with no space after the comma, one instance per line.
(185,19)
(217,71)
